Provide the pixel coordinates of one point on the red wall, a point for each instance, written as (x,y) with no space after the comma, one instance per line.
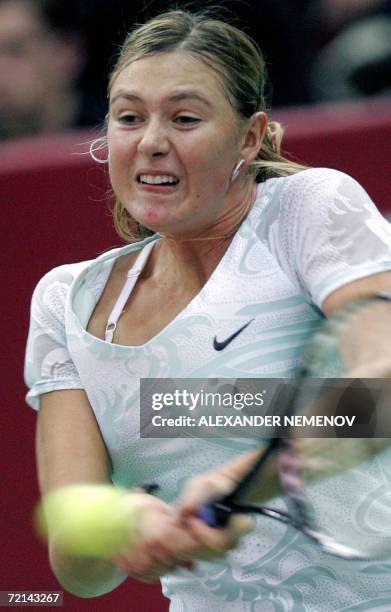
(54,210)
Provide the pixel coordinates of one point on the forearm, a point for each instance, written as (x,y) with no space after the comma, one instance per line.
(364,336)
(85,577)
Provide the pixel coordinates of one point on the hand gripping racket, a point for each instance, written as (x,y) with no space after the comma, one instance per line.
(337,490)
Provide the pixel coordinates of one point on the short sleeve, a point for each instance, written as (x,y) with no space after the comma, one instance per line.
(329,232)
(48,365)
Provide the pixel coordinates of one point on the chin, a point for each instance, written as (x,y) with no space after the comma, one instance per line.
(155,218)
(161,218)
(154,222)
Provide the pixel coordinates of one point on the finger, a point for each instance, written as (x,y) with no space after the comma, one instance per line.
(128,564)
(160,554)
(219,540)
(164,562)
(178,544)
(199,490)
(241,524)
(211,542)
(136,561)
(186,547)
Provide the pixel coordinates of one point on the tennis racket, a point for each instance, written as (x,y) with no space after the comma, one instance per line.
(335,490)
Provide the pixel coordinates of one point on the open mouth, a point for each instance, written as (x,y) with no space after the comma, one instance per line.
(163,180)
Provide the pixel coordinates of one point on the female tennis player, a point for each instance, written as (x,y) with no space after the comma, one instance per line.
(244,252)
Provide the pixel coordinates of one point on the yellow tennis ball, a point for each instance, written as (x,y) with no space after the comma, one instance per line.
(88,520)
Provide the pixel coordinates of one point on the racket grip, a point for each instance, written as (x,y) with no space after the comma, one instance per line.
(216,513)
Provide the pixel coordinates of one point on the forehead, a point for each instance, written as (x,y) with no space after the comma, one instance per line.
(159,75)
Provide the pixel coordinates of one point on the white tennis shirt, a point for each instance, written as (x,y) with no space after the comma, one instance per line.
(306,235)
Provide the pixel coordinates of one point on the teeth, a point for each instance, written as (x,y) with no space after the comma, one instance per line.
(151,179)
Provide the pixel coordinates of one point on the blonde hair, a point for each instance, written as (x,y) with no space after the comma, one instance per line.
(239,63)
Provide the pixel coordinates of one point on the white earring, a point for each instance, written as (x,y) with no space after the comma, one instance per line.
(236,170)
(97,145)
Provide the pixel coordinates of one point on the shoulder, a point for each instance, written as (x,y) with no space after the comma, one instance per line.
(286,199)
(66,274)
(323,183)
(55,285)
(51,293)
(321,191)
(313,185)
(61,277)
(317,180)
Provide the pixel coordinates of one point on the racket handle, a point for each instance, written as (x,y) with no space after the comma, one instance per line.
(216,513)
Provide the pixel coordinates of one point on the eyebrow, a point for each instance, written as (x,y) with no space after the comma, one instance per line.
(178,97)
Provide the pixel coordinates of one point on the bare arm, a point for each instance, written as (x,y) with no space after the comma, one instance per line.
(365,344)
(70,449)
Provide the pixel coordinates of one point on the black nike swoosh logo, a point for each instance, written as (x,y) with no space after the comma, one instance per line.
(219,346)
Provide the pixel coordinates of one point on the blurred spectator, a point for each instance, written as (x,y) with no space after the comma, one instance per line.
(335,14)
(356,60)
(41,57)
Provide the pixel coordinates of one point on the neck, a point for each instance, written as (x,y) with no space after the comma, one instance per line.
(224,227)
(197,253)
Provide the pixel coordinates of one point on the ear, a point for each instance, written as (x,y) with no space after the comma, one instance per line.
(253,137)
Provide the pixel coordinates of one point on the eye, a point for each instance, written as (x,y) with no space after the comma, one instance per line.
(129,119)
(186,120)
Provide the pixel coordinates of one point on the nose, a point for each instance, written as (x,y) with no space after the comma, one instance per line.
(154,140)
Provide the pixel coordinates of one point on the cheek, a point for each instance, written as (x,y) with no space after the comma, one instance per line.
(210,164)
(121,155)
(119,151)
